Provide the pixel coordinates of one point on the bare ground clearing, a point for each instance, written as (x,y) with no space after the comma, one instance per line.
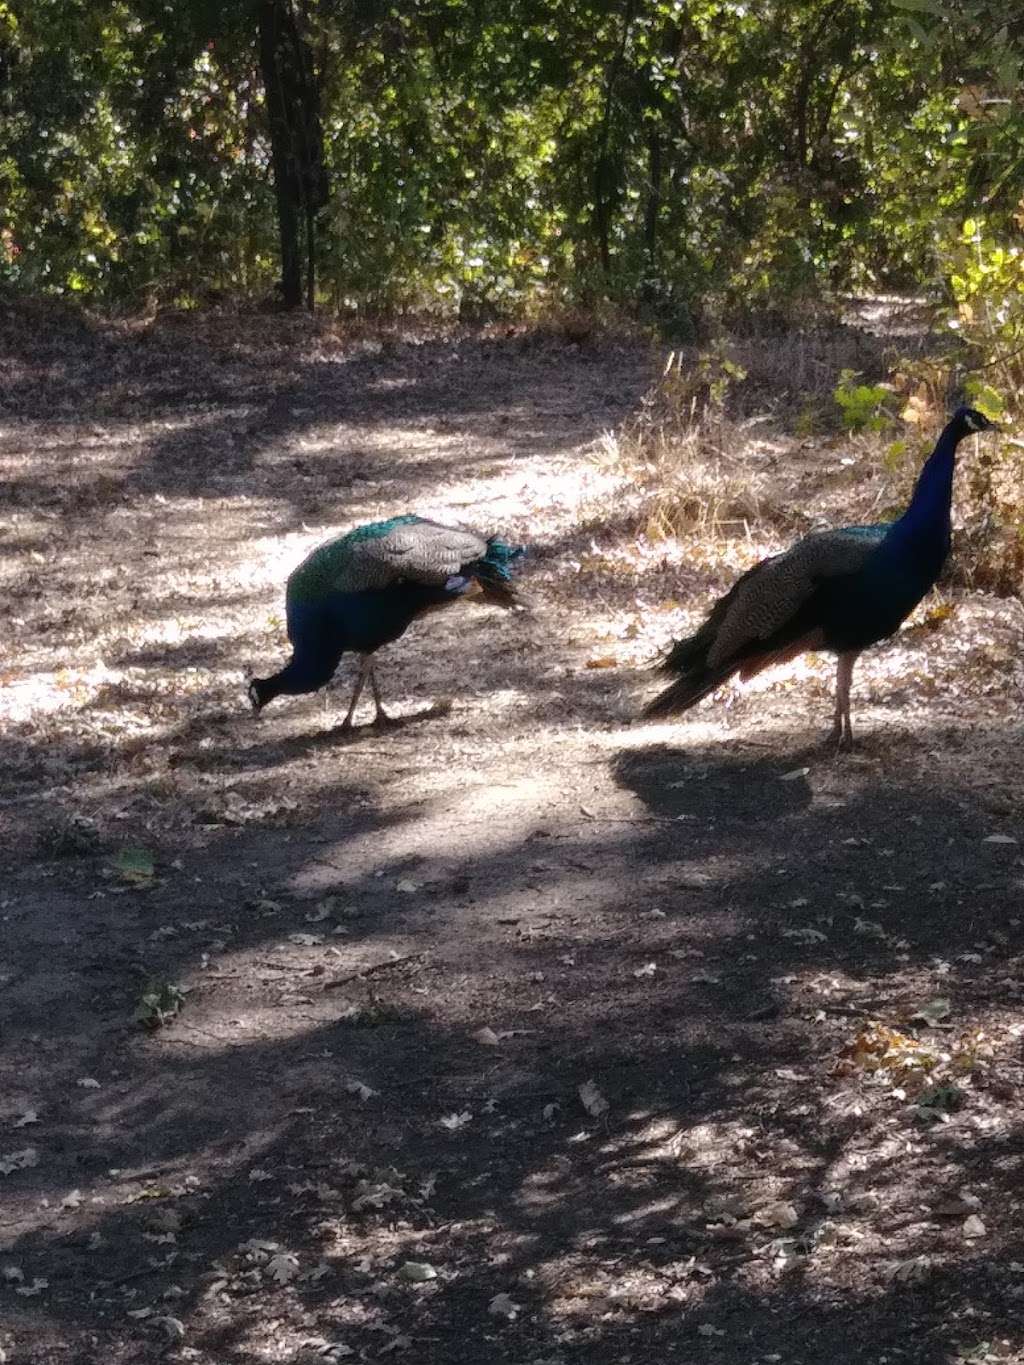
(698,919)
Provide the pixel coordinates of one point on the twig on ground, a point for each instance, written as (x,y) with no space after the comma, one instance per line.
(372,970)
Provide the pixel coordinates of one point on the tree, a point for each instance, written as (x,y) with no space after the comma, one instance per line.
(292,100)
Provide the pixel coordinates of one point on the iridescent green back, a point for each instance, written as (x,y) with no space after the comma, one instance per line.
(382,553)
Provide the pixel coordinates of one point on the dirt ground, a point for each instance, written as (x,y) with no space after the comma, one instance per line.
(524,1031)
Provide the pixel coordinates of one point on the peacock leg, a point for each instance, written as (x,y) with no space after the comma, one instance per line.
(382,717)
(842,729)
(364,664)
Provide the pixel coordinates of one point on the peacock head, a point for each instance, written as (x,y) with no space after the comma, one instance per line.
(967,420)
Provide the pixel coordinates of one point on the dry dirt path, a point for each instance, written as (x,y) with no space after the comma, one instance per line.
(519,1033)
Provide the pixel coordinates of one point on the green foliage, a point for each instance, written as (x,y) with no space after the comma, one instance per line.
(862,405)
(985,398)
(986,278)
(699,161)
(159,1003)
(895,456)
(691,389)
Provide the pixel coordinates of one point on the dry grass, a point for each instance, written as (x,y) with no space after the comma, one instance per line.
(743,443)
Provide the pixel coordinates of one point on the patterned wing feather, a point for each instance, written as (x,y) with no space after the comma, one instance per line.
(420,551)
(772,593)
(406,548)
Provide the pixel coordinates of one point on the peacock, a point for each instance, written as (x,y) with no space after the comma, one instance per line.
(837,590)
(363,589)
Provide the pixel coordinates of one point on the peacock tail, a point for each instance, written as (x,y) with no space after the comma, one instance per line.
(767,610)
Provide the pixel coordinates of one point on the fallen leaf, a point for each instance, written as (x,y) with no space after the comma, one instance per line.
(417,1272)
(777,1215)
(18,1161)
(913,1269)
(164,1219)
(933,1012)
(592,1100)
(134,864)
(174,1328)
(869,927)
(956,1207)
(974,1227)
(453,1122)
(29,1291)
(159,1004)
(283,1268)
(806,935)
(794,774)
(364,1092)
(503,1306)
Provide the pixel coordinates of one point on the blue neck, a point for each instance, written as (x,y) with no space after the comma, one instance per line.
(927,517)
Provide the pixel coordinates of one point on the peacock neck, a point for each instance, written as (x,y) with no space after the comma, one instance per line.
(927,518)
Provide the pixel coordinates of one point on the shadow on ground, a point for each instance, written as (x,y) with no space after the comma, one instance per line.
(288,1128)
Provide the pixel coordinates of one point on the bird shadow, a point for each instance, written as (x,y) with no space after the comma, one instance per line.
(337,737)
(722,782)
(356,734)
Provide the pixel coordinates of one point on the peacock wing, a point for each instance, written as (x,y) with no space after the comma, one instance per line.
(770,595)
(410,549)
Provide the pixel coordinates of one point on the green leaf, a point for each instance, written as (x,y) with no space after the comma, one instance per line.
(134,864)
(158,1004)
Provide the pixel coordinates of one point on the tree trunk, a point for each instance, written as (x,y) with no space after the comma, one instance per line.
(296,144)
(653,206)
(605,172)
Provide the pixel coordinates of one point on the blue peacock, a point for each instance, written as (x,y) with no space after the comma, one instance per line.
(364,589)
(839,591)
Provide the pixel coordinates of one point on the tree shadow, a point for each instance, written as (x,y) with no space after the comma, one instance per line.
(616,1232)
